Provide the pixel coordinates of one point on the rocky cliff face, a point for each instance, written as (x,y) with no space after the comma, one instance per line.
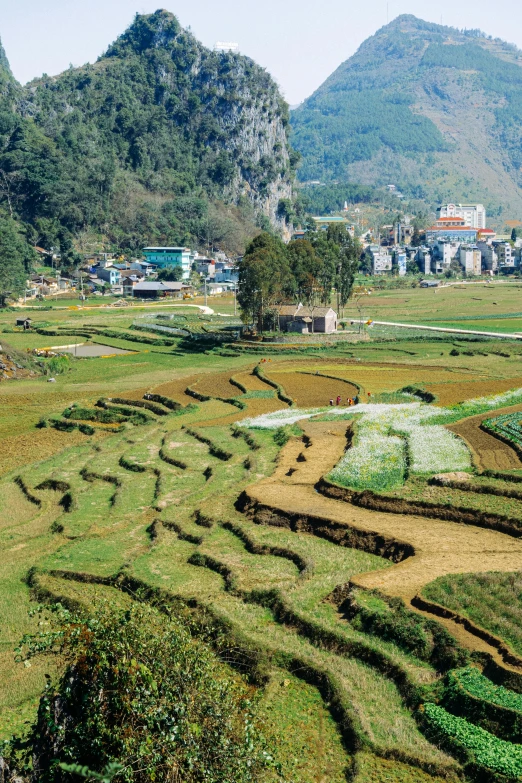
(434,110)
(161,118)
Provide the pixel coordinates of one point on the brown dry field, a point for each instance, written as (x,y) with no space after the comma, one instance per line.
(489,452)
(216,385)
(175,389)
(312,391)
(251,382)
(20,450)
(376,377)
(450,393)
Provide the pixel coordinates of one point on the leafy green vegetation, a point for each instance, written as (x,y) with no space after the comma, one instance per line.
(474,683)
(484,748)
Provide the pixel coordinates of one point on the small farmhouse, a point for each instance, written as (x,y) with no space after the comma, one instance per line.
(155,290)
(307,320)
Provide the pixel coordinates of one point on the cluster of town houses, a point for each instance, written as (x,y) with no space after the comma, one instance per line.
(137,277)
(459,240)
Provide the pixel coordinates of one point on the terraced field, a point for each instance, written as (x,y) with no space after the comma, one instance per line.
(320,590)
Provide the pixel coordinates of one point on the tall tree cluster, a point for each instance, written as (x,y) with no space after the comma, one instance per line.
(306,270)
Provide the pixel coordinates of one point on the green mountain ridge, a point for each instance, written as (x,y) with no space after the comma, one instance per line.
(434,110)
(160,141)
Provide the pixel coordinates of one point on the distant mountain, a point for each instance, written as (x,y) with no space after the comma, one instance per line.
(160,141)
(435,111)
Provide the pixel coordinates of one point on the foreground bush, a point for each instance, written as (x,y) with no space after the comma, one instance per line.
(139,691)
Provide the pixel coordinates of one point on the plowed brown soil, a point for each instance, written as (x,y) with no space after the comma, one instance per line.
(440,547)
(489,452)
(311,391)
(450,393)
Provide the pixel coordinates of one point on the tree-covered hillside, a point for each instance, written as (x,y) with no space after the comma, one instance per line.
(161,141)
(434,110)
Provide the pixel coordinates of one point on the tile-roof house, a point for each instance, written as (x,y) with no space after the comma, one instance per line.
(299,318)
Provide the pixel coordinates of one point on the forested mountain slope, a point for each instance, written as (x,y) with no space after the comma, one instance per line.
(160,141)
(434,110)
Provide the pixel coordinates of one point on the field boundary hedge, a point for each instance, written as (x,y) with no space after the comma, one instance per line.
(214,449)
(281,393)
(343,534)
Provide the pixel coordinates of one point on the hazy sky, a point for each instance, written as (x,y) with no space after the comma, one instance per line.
(300,42)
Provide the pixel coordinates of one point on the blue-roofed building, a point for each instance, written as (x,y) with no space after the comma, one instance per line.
(164,257)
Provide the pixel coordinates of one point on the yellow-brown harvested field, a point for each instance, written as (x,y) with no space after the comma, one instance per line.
(175,389)
(377,377)
(251,382)
(20,450)
(311,391)
(216,385)
(450,393)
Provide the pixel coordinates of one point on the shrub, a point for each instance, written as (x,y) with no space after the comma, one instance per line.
(138,690)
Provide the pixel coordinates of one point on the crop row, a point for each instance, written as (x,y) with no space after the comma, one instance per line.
(508,425)
(495,708)
(473,744)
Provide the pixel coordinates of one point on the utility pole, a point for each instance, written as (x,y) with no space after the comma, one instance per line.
(235,298)
(205,291)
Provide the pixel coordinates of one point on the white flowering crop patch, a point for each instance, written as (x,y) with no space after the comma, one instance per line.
(394,440)
(376,461)
(271,421)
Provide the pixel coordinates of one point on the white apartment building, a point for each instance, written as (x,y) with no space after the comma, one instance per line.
(471,260)
(474,215)
(506,256)
(489,256)
(446,251)
(381,260)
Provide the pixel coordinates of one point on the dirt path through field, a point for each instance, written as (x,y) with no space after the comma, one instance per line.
(440,547)
(489,452)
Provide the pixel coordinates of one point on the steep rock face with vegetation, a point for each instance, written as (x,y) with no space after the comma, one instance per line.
(160,141)
(436,111)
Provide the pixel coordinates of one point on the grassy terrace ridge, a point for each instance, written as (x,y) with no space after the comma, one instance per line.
(491,600)
(125,512)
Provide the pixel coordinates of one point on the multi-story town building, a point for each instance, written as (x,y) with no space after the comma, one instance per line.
(381,259)
(424,260)
(444,252)
(170,256)
(507,260)
(474,215)
(489,256)
(399,259)
(471,260)
(453,229)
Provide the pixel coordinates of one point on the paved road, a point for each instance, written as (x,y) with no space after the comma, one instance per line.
(504,335)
